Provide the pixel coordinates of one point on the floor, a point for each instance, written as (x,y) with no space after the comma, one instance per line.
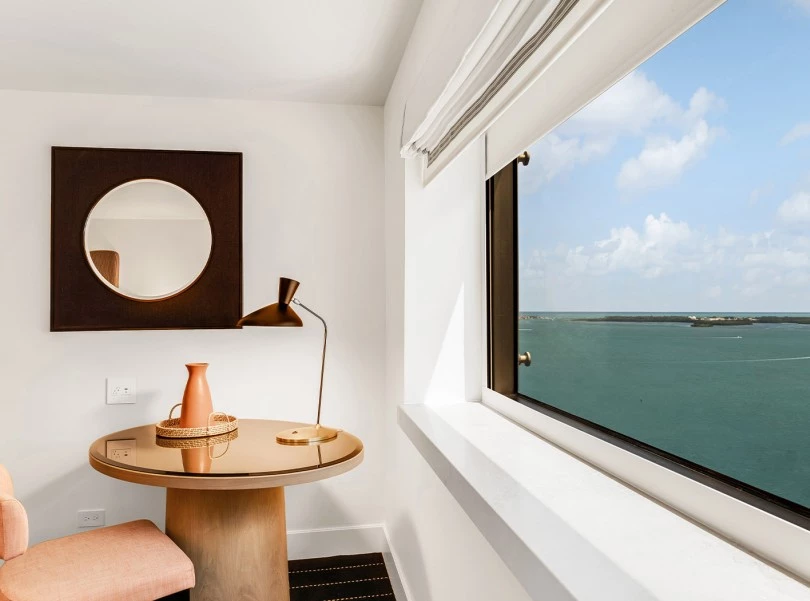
(341,578)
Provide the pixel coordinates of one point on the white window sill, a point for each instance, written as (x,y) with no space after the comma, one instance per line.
(567,530)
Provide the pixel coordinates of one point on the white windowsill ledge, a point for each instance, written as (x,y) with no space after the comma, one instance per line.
(568,531)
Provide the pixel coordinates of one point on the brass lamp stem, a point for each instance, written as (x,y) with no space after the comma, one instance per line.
(323,356)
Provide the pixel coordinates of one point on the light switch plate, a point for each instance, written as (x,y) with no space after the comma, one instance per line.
(122,451)
(121,391)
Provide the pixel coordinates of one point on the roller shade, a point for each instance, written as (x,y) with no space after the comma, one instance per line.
(481,38)
(532,64)
(461,27)
(621,35)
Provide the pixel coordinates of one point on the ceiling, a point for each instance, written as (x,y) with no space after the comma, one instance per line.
(331,51)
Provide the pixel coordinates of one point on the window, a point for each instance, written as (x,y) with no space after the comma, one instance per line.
(653,259)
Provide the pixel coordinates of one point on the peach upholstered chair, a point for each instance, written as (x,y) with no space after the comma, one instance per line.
(129,562)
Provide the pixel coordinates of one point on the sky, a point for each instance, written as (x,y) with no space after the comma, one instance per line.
(686,186)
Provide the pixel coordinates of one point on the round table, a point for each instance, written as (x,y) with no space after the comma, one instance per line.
(225,497)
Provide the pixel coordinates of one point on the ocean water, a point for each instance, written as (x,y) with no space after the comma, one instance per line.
(735,399)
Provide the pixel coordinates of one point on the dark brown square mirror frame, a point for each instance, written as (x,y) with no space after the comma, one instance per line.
(100,219)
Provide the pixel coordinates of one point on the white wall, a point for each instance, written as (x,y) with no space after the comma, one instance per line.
(313,210)
(434,344)
(444,231)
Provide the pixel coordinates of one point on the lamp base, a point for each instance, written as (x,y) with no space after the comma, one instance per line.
(307,435)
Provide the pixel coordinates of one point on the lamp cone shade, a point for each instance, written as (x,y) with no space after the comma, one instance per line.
(281,314)
(277,315)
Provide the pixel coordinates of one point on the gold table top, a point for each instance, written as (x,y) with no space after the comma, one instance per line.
(249,458)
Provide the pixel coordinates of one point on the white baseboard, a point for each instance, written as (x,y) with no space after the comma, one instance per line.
(326,542)
(348,540)
(395,574)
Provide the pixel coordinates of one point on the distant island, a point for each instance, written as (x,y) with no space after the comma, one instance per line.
(699,322)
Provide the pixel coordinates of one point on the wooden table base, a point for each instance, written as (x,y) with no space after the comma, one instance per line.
(236,539)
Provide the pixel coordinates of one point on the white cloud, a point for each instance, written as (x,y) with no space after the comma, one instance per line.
(664,246)
(629,107)
(803,4)
(633,107)
(668,265)
(777,257)
(533,268)
(554,155)
(795,209)
(714,292)
(668,262)
(650,252)
(663,159)
(702,102)
(759,238)
(757,193)
(797,279)
(775,269)
(798,131)
(724,238)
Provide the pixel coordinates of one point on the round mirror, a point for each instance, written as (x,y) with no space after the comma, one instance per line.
(147,239)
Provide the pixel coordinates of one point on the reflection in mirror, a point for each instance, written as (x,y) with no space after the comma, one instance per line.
(106,262)
(147,239)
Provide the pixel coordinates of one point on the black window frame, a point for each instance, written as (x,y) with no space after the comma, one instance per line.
(502,220)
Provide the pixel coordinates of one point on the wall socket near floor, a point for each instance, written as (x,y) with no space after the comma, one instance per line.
(91,518)
(121,391)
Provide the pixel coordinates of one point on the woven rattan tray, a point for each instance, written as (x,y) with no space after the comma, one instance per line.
(218,423)
(196,443)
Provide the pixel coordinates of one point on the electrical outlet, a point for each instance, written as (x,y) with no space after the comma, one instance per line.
(121,391)
(91,518)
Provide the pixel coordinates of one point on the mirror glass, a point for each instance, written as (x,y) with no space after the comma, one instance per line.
(147,239)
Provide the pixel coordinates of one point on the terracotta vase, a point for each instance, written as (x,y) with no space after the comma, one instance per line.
(197,405)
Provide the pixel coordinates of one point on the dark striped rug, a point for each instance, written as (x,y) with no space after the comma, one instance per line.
(341,578)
